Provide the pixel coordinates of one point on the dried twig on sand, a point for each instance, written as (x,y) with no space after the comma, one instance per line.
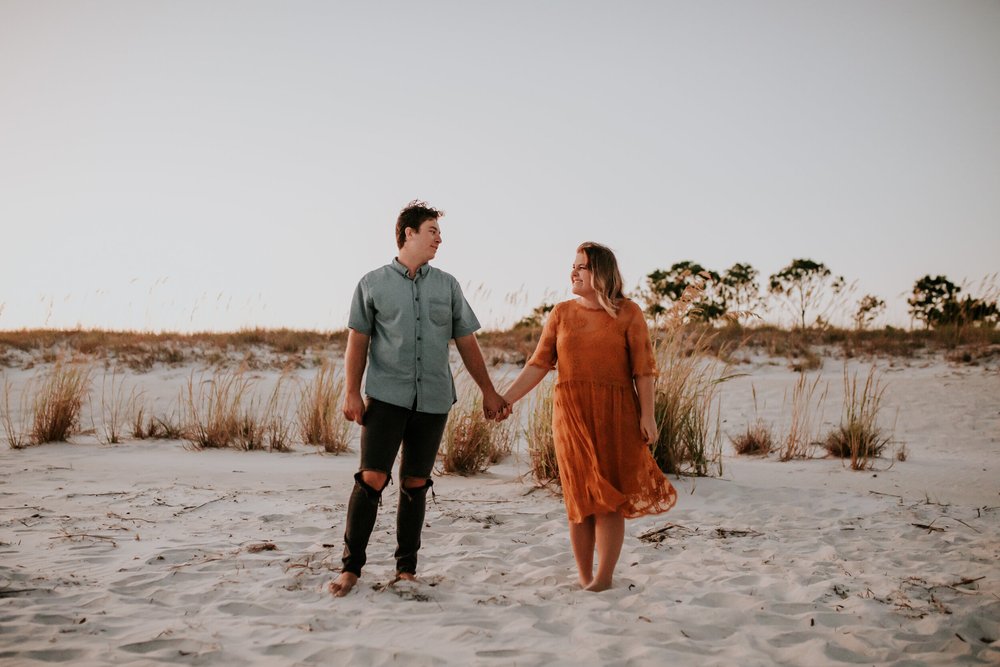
(69,536)
(192,508)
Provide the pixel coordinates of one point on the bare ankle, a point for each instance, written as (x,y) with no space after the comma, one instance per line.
(598,585)
(343,584)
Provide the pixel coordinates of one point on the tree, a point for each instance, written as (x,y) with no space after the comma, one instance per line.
(934,300)
(739,289)
(671,284)
(972,310)
(805,285)
(869,308)
(536,318)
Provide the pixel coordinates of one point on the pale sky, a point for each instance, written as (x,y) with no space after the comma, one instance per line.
(212,165)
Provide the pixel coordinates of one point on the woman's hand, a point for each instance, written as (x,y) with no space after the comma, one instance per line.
(647,424)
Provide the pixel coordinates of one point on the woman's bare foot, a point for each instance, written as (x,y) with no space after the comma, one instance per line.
(585,580)
(343,584)
(404,576)
(598,585)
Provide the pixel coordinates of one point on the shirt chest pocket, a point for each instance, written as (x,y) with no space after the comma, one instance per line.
(440,312)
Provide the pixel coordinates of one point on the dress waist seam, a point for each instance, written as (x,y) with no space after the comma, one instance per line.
(595,383)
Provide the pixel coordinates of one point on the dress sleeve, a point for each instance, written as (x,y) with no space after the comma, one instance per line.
(640,348)
(545,351)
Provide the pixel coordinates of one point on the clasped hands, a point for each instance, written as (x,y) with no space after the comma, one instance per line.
(495,407)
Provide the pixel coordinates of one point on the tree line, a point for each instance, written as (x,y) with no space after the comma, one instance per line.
(804,288)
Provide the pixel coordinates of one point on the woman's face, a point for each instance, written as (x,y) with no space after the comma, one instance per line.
(581,278)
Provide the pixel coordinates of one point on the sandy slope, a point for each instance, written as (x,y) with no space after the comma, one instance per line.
(143,553)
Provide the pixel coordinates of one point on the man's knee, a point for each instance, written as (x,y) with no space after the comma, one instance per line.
(375,479)
(414,482)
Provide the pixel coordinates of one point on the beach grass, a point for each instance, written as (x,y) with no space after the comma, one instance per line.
(213,409)
(805,412)
(115,406)
(542,463)
(756,439)
(692,365)
(471,442)
(859,436)
(58,401)
(320,420)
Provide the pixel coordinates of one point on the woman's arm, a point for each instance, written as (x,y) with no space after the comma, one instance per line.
(527,380)
(647,413)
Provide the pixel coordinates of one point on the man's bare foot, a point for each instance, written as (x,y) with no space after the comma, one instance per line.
(404,576)
(343,584)
(598,585)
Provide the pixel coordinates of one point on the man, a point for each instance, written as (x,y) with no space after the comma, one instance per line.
(402,317)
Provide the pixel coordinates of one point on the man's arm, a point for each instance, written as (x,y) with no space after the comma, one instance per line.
(494,407)
(355,360)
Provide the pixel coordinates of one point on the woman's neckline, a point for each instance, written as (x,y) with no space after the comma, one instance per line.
(599,309)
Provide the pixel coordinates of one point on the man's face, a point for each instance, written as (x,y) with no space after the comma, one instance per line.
(424,242)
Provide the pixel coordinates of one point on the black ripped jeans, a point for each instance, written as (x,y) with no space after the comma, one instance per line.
(387,427)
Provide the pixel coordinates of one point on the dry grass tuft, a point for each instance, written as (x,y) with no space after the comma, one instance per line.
(686,393)
(541,445)
(16,429)
(138,418)
(466,448)
(799,441)
(321,421)
(757,439)
(115,406)
(859,436)
(278,427)
(57,403)
(163,427)
(266,426)
(472,443)
(213,416)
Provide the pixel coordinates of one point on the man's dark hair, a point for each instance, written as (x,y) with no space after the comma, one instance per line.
(412,216)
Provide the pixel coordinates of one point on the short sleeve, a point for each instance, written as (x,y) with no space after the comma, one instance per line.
(640,348)
(362,317)
(545,351)
(463,319)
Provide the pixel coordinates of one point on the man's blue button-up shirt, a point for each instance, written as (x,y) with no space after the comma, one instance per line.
(410,321)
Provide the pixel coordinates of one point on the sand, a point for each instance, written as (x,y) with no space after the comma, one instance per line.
(148,553)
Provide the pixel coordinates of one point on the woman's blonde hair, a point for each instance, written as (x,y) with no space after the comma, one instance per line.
(605,274)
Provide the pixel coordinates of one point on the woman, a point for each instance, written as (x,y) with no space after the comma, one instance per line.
(603,419)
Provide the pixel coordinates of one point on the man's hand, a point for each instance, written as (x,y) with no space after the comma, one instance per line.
(494,406)
(354,407)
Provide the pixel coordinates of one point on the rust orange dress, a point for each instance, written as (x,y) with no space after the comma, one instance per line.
(604,463)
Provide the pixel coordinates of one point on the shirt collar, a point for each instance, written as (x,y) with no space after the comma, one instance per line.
(398,266)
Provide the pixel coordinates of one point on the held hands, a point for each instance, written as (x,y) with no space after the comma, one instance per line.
(354,407)
(495,408)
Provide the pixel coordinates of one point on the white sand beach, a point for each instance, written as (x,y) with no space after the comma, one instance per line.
(148,552)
